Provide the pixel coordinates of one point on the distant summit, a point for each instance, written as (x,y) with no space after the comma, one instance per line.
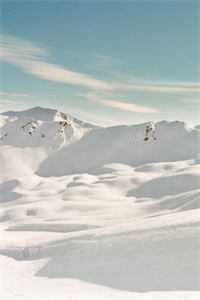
(44,114)
(72,146)
(45,128)
(38,113)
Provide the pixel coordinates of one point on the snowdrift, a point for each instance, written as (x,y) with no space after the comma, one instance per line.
(98,213)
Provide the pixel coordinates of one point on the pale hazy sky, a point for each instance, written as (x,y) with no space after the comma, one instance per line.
(106,62)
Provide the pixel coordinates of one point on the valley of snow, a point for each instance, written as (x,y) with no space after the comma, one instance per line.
(98,213)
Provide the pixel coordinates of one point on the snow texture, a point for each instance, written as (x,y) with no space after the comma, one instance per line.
(98,213)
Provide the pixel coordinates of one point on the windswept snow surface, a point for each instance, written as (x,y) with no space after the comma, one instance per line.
(98,213)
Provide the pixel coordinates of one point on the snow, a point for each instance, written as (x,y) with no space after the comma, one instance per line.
(98,213)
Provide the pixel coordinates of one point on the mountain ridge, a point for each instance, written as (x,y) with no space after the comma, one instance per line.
(82,147)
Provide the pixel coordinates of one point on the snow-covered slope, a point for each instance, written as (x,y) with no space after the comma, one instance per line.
(98,213)
(46,135)
(43,114)
(124,144)
(20,146)
(85,148)
(38,113)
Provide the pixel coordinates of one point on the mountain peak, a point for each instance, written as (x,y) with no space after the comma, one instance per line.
(38,113)
(45,114)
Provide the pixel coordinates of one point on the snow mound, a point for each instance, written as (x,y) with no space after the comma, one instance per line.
(97,213)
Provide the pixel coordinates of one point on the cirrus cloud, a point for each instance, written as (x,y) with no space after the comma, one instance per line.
(118,104)
(32,59)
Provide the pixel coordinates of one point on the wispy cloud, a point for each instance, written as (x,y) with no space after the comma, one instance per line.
(95,118)
(13,100)
(159,87)
(12,95)
(190,100)
(58,74)
(32,59)
(118,104)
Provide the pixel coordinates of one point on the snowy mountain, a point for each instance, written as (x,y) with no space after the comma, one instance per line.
(38,113)
(126,145)
(98,210)
(85,148)
(45,124)
(42,114)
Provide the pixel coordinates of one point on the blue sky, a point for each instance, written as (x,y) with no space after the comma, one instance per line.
(106,62)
